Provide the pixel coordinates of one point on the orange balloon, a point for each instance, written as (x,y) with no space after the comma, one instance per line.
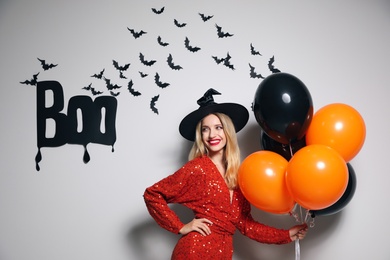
(316,177)
(261,178)
(340,127)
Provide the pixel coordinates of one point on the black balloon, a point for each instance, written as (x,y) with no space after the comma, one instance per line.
(345,198)
(285,150)
(283,107)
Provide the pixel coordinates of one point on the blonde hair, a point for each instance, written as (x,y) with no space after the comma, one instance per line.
(231,150)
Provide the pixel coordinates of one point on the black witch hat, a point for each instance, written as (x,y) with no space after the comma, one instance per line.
(238,113)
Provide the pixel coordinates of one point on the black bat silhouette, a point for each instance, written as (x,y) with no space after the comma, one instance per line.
(143,75)
(180,25)
(160,83)
(111,86)
(189,47)
(114,94)
(131,90)
(222,34)
(153,104)
(218,60)
(121,75)
(171,64)
(93,90)
(31,82)
(161,42)
(158,11)
(205,18)
(227,63)
(120,68)
(145,62)
(98,76)
(253,74)
(135,34)
(254,52)
(45,65)
(271,65)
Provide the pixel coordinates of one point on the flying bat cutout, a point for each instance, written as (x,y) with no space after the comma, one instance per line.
(222,34)
(136,34)
(159,83)
(205,18)
(114,94)
(120,68)
(98,75)
(253,74)
(93,91)
(111,86)
(180,25)
(32,82)
(271,65)
(225,61)
(143,75)
(254,52)
(144,61)
(189,47)
(153,104)
(218,60)
(172,65)
(47,66)
(160,11)
(132,90)
(159,40)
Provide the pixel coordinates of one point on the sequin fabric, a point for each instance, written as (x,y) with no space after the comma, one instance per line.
(199,186)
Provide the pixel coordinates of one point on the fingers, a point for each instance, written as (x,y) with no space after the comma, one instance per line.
(298,232)
(202,226)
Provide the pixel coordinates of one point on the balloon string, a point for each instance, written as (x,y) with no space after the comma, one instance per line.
(297,250)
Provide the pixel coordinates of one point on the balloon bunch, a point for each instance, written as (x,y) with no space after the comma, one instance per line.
(305,156)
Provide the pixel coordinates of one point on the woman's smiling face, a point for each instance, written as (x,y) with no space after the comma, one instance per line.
(213,135)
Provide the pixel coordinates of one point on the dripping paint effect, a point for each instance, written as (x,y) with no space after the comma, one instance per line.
(86,157)
(38,158)
(112,148)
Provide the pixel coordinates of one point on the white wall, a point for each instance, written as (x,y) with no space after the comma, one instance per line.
(72,210)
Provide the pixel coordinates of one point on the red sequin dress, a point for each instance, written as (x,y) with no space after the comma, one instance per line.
(199,186)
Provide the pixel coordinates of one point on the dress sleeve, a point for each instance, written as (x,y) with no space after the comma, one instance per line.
(258,231)
(168,190)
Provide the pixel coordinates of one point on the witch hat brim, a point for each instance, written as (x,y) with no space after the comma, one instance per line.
(238,114)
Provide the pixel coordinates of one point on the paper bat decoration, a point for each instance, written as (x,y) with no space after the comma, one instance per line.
(160,83)
(99,75)
(114,94)
(161,42)
(135,34)
(145,62)
(218,60)
(143,75)
(120,68)
(189,47)
(93,90)
(158,11)
(31,82)
(153,104)
(254,52)
(111,86)
(253,74)
(47,66)
(271,66)
(222,34)
(171,64)
(227,63)
(131,90)
(180,25)
(205,18)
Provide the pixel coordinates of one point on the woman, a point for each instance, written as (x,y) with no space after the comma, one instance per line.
(207,184)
